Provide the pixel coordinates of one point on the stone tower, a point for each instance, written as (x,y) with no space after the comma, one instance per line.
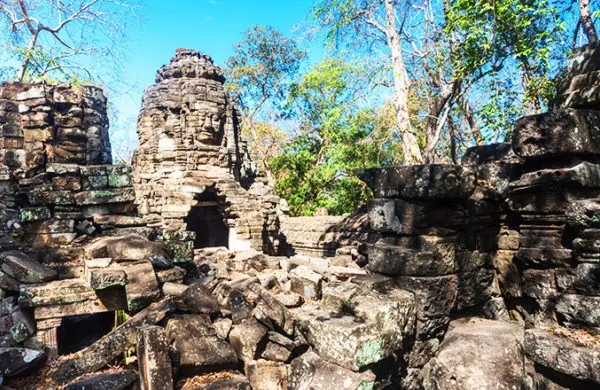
(187,167)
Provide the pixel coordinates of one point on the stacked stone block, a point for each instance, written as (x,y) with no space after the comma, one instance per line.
(435,237)
(189,144)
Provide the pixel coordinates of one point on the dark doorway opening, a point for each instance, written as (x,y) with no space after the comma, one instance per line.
(77,332)
(207,221)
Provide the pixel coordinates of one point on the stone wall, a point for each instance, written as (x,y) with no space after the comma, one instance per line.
(478,275)
(55,140)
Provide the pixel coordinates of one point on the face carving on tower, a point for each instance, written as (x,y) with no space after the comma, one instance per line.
(187,108)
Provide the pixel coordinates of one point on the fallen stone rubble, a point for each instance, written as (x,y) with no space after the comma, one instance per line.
(471,276)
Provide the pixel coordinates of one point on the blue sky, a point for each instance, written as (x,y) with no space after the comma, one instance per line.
(211,26)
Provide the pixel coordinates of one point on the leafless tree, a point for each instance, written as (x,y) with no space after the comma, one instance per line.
(56,38)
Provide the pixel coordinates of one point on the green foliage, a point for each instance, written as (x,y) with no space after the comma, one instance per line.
(336,137)
(506,47)
(262,66)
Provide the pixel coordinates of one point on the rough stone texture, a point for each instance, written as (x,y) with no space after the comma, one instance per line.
(266,375)
(478,354)
(421,181)
(153,359)
(563,354)
(15,361)
(379,325)
(309,371)
(198,348)
(189,147)
(113,381)
(560,132)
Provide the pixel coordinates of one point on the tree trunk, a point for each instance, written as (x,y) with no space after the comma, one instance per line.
(412,153)
(586,21)
(452,135)
(433,121)
(472,121)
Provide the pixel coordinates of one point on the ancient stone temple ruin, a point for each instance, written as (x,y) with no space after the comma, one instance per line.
(188,168)
(185,271)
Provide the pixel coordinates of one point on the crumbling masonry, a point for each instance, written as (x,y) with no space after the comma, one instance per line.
(470,276)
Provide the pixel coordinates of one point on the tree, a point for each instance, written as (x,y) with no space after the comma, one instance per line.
(586,21)
(56,38)
(335,138)
(380,23)
(454,54)
(259,74)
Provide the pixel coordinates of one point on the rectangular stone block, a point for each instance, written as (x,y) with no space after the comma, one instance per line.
(558,132)
(153,359)
(432,181)
(434,296)
(413,217)
(398,260)
(98,197)
(50,226)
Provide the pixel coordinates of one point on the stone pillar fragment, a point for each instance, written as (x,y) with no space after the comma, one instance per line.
(153,359)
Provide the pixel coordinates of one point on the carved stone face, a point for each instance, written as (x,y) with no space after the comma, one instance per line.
(188,105)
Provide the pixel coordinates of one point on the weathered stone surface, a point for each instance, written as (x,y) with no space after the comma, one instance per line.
(579,309)
(398,260)
(353,344)
(413,216)
(584,214)
(101,279)
(559,132)
(112,381)
(153,359)
(306,282)
(228,380)
(434,296)
(434,181)
(110,346)
(245,339)
(16,361)
(290,300)
(583,174)
(31,214)
(199,350)
(267,375)
(540,257)
(128,247)
(25,269)
(118,220)
(276,352)
(142,287)
(585,279)
(106,196)
(199,300)
(309,371)
(22,325)
(563,354)
(477,354)
(473,288)
(539,284)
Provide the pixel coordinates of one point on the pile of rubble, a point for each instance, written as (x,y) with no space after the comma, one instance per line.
(480,275)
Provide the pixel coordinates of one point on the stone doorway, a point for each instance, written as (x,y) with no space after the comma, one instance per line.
(77,332)
(207,221)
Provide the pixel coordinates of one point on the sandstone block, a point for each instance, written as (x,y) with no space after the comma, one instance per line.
(310,371)
(563,354)
(153,359)
(559,132)
(433,181)
(25,269)
(477,354)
